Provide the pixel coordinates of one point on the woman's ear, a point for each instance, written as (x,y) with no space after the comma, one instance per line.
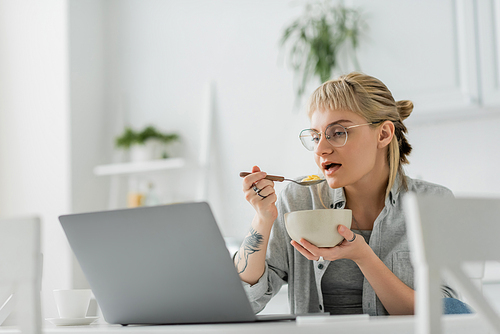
(386,132)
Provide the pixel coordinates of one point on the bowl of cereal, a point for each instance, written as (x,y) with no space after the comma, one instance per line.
(319,227)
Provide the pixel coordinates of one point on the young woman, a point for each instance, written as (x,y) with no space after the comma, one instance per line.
(358,139)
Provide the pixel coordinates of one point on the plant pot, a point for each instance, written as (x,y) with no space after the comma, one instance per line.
(144,152)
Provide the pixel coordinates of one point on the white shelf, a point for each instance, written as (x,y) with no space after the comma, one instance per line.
(139,167)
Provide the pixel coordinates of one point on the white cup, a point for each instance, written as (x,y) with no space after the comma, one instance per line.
(319,227)
(72,303)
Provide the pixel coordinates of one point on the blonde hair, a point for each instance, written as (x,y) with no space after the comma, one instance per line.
(371,99)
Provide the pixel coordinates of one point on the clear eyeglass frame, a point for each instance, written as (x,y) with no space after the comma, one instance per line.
(310,138)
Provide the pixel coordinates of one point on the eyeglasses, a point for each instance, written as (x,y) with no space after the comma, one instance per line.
(336,135)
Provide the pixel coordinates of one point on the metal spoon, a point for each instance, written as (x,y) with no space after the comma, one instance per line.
(282,178)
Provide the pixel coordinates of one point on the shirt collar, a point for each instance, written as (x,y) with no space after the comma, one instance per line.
(395,191)
(338,196)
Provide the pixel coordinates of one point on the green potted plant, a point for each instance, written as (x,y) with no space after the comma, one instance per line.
(319,37)
(145,144)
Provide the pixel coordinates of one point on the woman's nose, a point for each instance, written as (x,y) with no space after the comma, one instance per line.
(323,147)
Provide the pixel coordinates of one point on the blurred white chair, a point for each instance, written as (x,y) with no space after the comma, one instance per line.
(21,271)
(444,233)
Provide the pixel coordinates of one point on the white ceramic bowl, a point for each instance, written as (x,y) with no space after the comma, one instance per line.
(319,227)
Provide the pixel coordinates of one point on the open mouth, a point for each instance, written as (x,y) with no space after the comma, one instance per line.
(332,166)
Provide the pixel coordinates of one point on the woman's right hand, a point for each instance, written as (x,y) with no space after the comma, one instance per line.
(264,200)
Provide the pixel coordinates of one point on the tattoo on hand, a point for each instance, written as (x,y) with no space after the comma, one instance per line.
(251,244)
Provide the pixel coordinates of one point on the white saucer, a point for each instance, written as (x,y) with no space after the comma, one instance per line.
(72,321)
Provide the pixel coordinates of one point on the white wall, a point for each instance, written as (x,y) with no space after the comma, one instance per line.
(88,104)
(34,131)
(462,155)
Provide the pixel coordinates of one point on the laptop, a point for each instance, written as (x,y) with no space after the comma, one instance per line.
(159,265)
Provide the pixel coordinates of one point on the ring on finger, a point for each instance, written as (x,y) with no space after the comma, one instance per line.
(353,237)
(257,190)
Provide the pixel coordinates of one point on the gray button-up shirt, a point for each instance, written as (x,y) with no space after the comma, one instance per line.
(285,265)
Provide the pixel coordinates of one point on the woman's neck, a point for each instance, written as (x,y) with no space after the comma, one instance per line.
(366,198)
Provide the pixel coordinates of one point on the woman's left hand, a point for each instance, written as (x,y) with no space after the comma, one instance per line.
(354,250)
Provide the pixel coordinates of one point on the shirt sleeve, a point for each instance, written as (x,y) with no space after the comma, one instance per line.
(276,267)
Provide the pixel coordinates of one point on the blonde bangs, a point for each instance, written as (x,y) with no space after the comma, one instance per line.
(333,95)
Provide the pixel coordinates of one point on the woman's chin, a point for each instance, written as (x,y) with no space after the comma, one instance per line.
(333,183)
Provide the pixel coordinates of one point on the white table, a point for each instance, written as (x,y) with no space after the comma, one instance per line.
(452,324)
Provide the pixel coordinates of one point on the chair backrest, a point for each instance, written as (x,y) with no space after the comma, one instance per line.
(21,270)
(445,233)
(455,230)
